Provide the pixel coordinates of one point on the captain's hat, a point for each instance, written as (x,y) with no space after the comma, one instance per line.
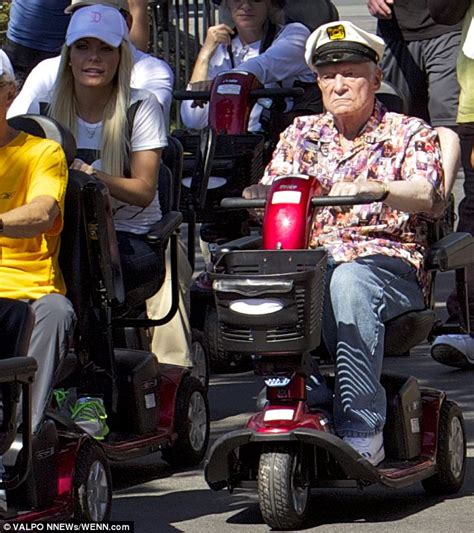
(342,41)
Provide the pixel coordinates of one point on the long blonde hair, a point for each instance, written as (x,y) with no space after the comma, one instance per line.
(115,142)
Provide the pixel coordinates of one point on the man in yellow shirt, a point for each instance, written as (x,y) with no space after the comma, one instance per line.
(33,179)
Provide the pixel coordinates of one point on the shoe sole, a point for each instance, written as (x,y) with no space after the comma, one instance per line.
(449,356)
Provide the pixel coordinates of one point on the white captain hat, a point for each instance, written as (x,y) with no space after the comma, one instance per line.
(342,41)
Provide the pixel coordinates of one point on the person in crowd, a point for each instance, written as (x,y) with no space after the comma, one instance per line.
(258,43)
(458,350)
(92,98)
(140,29)
(375,252)
(148,72)
(34,178)
(419,61)
(35,32)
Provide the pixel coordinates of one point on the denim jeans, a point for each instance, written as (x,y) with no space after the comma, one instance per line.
(360,297)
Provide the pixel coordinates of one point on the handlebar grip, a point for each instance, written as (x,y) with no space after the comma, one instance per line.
(357,199)
(191,95)
(243,203)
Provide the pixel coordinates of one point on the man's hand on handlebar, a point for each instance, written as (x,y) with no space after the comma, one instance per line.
(353,188)
(256,191)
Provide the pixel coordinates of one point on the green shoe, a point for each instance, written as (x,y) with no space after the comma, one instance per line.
(60,397)
(89,414)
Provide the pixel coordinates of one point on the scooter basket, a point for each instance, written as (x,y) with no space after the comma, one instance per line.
(270,301)
(238,159)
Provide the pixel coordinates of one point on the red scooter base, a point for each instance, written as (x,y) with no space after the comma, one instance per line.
(117,447)
(288,448)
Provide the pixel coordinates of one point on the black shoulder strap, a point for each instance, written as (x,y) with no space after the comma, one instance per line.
(266,42)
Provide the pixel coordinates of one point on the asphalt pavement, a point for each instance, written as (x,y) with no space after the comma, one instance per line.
(159,499)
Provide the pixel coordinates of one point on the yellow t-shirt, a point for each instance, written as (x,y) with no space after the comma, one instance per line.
(465,71)
(31,167)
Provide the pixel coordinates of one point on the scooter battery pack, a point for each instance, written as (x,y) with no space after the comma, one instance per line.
(139,391)
(402,432)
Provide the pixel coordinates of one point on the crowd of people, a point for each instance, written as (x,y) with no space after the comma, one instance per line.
(90,71)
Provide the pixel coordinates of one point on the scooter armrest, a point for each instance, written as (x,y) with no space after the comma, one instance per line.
(456,250)
(18,369)
(162,230)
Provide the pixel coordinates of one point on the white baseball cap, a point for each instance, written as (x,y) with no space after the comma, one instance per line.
(76,4)
(5,65)
(98,21)
(342,41)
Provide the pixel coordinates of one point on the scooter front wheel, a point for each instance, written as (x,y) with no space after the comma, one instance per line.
(283,486)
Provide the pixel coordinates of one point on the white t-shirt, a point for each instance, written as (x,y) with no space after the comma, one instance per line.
(148,133)
(148,72)
(279,66)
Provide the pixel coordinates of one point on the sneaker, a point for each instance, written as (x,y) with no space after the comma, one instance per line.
(371,448)
(454,350)
(89,414)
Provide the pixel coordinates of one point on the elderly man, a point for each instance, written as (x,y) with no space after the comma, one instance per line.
(148,72)
(32,189)
(376,251)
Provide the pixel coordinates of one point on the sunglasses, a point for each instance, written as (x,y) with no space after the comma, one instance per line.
(240,2)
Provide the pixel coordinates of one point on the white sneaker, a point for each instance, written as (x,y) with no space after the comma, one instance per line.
(371,448)
(454,350)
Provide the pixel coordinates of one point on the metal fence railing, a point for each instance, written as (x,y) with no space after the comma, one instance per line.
(178,29)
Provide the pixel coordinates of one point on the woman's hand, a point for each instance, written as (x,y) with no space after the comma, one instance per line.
(79,164)
(216,35)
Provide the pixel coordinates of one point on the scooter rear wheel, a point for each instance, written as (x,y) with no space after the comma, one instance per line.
(191,423)
(92,485)
(451,453)
(283,487)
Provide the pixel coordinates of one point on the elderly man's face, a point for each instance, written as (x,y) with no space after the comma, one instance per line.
(348,89)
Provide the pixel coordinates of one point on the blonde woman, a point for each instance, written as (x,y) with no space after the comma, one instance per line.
(257,42)
(120,132)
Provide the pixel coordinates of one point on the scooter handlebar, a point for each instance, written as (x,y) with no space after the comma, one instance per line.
(317,201)
(256,93)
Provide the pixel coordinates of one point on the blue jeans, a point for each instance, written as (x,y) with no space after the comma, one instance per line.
(360,297)
(143,268)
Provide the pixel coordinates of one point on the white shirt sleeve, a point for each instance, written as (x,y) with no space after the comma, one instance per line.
(149,129)
(38,83)
(197,118)
(156,76)
(283,59)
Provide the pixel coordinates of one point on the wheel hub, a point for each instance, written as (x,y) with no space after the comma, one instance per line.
(97,491)
(197,416)
(456,447)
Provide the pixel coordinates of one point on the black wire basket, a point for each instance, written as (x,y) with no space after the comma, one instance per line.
(270,302)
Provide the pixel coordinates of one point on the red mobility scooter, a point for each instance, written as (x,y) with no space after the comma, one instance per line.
(269,304)
(60,472)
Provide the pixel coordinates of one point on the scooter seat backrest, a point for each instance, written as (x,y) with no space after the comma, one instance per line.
(47,128)
(169,185)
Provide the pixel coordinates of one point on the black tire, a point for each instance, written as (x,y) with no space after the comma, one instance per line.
(200,358)
(451,453)
(191,423)
(92,485)
(283,488)
(220,361)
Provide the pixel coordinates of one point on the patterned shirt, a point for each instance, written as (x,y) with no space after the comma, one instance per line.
(391,147)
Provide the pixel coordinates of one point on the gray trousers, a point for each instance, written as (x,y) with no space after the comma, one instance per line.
(54,325)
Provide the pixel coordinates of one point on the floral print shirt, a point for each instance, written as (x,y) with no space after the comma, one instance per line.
(391,147)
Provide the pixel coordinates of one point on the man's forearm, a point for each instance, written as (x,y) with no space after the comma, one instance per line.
(31,219)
